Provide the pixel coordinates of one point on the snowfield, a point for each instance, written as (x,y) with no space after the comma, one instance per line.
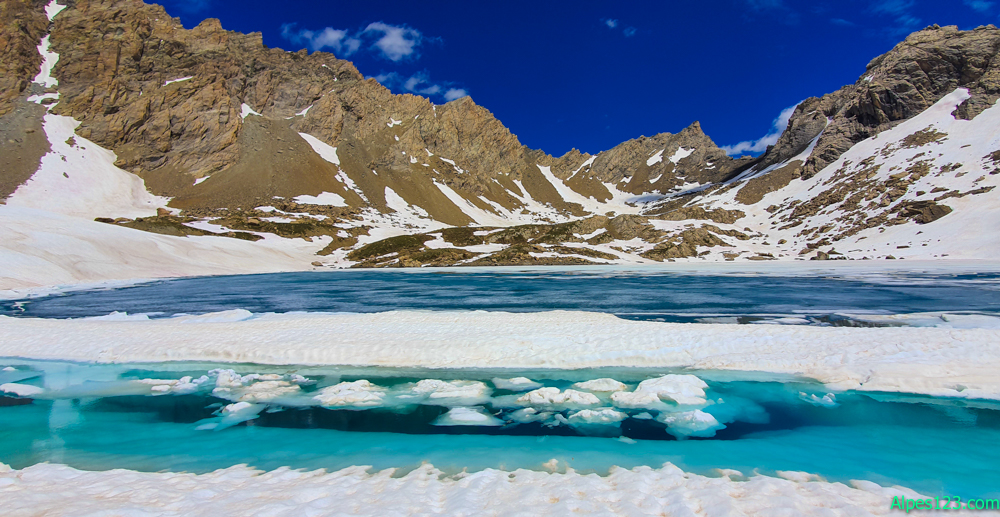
(59,490)
(948,362)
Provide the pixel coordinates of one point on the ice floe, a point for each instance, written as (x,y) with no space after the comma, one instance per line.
(550,396)
(231,415)
(475,416)
(604,385)
(932,361)
(691,423)
(516,384)
(450,393)
(21,390)
(356,395)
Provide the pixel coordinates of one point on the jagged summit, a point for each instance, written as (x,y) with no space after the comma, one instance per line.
(268,146)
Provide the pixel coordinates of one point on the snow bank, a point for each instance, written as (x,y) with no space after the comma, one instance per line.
(934,361)
(58,490)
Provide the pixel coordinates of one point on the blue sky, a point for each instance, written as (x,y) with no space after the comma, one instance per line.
(591,74)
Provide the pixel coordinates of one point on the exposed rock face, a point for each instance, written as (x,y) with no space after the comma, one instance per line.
(254,141)
(22,25)
(117,61)
(169,102)
(895,86)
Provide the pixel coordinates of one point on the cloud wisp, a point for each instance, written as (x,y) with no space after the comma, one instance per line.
(906,22)
(612,24)
(420,83)
(393,42)
(760,145)
(980,6)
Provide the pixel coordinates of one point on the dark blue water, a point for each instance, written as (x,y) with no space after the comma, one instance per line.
(638,294)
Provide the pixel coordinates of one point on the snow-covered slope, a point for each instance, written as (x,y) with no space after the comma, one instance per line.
(294,186)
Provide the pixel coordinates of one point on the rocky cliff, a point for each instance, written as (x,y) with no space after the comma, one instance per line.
(259,143)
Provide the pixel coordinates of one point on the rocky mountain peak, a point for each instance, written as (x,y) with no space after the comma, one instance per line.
(895,86)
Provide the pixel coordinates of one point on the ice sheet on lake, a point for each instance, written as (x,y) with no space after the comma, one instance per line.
(935,361)
(50,489)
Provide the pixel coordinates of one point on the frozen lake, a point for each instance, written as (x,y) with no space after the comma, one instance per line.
(838,297)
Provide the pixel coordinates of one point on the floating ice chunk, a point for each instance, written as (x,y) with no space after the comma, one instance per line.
(21,390)
(603,385)
(691,423)
(226,378)
(187,384)
(682,389)
(601,416)
(638,399)
(643,416)
(552,397)
(231,415)
(468,416)
(357,394)
(261,391)
(828,400)
(516,384)
(158,385)
(529,414)
(254,387)
(449,393)
(685,390)
(9,369)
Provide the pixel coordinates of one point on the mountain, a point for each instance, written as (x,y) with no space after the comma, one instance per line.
(142,148)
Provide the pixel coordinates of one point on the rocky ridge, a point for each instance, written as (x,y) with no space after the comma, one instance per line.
(249,141)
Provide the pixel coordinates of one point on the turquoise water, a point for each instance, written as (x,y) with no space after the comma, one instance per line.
(648,294)
(937,446)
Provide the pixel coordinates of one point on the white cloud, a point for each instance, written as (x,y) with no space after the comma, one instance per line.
(455,93)
(611,23)
(893,7)
(396,42)
(629,32)
(338,40)
(393,42)
(420,83)
(760,145)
